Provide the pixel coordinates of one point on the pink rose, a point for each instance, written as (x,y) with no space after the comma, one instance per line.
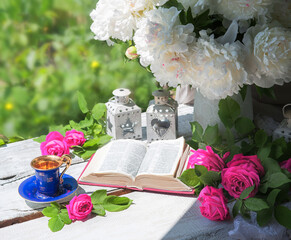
(54,145)
(286,164)
(80,207)
(214,204)
(207,158)
(54,136)
(74,138)
(247,161)
(236,179)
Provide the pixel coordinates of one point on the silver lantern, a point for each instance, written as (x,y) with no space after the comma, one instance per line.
(123,116)
(162,117)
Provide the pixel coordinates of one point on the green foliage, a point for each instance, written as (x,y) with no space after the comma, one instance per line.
(93,126)
(228,111)
(47,55)
(241,136)
(199,177)
(283,216)
(59,215)
(245,193)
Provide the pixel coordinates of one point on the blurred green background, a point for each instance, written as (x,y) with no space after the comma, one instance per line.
(48,54)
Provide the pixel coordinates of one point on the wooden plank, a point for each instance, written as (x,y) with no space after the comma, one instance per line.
(152,216)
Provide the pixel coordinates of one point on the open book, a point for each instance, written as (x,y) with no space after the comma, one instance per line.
(137,165)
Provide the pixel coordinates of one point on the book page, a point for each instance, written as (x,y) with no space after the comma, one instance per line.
(123,156)
(162,157)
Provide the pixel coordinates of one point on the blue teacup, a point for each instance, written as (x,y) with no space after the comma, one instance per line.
(47,175)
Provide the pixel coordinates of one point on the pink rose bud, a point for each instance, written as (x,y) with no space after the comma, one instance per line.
(213,204)
(207,158)
(286,164)
(237,178)
(247,161)
(54,136)
(54,145)
(74,138)
(80,207)
(131,53)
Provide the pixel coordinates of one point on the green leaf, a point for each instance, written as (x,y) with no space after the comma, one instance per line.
(210,178)
(99,209)
(57,128)
(271,199)
(271,165)
(264,152)
(56,224)
(40,139)
(15,139)
(279,146)
(2,142)
(193,144)
(87,154)
(246,148)
(82,103)
(190,178)
(87,122)
(200,170)
(211,134)
(243,92)
(98,111)
(197,131)
(283,216)
(236,208)
(97,129)
(104,139)
(244,125)
(234,149)
(91,142)
(75,125)
(229,137)
(56,205)
(50,211)
(245,193)
(64,216)
(98,196)
(277,179)
(173,3)
(269,92)
(255,204)
(261,138)
(116,204)
(228,112)
(264,216)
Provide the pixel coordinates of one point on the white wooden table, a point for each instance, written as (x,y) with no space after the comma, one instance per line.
(152,216)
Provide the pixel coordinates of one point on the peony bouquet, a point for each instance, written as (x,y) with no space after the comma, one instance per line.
(214,45)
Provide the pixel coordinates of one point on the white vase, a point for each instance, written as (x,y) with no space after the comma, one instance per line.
(206,110)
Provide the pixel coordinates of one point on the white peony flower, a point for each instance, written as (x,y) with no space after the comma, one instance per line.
(172,68)
(269,60)
(118,18)
(159,32)
(241,9)
(282,12)
(197,6)
(217,68)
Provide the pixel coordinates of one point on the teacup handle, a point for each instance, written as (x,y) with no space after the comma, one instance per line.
(67,160)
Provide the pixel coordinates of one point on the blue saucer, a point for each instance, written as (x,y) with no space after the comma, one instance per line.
(27,190)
